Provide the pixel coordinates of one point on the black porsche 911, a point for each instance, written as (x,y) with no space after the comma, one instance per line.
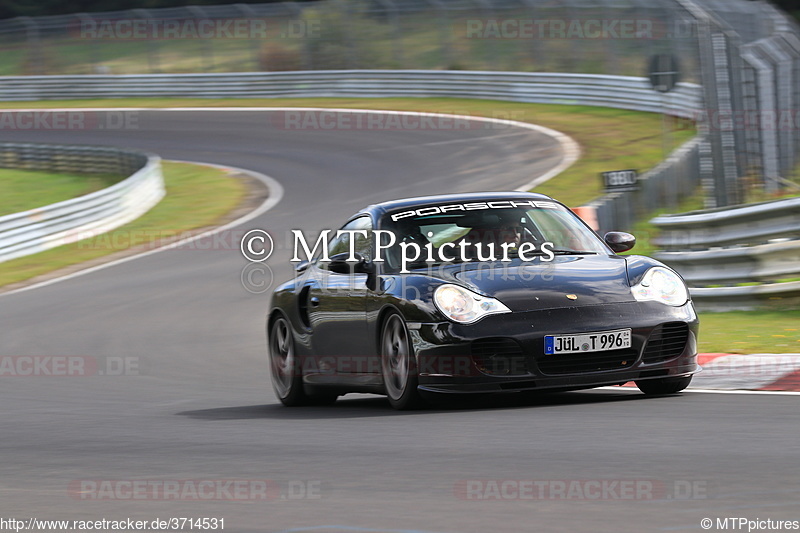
(477,293)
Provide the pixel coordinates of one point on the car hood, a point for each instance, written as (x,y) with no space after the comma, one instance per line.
(566,281)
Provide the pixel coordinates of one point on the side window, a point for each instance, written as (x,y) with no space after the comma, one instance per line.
(341,244)
(363,244)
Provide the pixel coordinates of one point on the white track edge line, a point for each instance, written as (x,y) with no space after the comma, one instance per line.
(570,148)
(712,391)
(570,154)
(275,195)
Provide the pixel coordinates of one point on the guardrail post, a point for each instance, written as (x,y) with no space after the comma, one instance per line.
(87,20)
(445,29)
(34,45)
(250,13)
(207,44)
(490,48)
(308,57)
(153,63)
(534,51)
(353,57)
(390,9)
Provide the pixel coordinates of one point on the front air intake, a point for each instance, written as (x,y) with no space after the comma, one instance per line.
(499,356)
(666,341)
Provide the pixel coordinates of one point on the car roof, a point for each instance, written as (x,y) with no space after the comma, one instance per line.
(405,203)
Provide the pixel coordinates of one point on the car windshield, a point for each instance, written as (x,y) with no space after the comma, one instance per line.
(485,233)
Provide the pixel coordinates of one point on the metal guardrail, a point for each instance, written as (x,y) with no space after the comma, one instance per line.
(624,92)
(746,298)
(738,257)
(673,179)
(745,264)
(39,229)
(743,225)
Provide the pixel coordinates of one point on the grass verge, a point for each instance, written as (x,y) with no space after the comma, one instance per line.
(750,332)
(197,197)
(21,190)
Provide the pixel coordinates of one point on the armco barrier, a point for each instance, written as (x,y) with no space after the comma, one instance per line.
(746,224)
(673,179)
(738,257)
(622,92)
(68,221)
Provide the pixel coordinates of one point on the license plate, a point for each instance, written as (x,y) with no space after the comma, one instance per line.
(587,342)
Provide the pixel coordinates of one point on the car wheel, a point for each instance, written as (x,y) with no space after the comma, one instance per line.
(287,379)
(663,386)
(398,365)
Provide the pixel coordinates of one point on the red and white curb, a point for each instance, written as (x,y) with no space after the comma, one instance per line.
(764,371)
(756,372)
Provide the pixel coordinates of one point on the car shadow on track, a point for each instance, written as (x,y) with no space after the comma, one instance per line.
(363,406)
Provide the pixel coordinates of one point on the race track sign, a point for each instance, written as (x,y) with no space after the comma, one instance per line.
(619,180)
(664,72)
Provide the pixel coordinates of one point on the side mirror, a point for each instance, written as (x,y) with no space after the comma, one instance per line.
(341,265)
(620,241)
(301,267)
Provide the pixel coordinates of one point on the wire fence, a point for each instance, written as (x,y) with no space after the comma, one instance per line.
(571,36)
(745,54)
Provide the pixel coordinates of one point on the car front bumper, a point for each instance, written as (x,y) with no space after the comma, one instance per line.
(505,352)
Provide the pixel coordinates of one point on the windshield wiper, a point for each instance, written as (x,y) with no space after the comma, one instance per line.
(572,252)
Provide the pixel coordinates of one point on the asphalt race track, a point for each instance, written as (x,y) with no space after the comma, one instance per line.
(200,406)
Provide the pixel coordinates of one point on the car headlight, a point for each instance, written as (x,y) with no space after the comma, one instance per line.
(660,284)
(464,306)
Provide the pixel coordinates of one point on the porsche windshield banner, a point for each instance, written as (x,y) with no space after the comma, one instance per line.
(490,240)
(473,206)
(460,232)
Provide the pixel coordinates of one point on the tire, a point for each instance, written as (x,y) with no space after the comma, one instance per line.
(398,364)
(663,386)
(287,379)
